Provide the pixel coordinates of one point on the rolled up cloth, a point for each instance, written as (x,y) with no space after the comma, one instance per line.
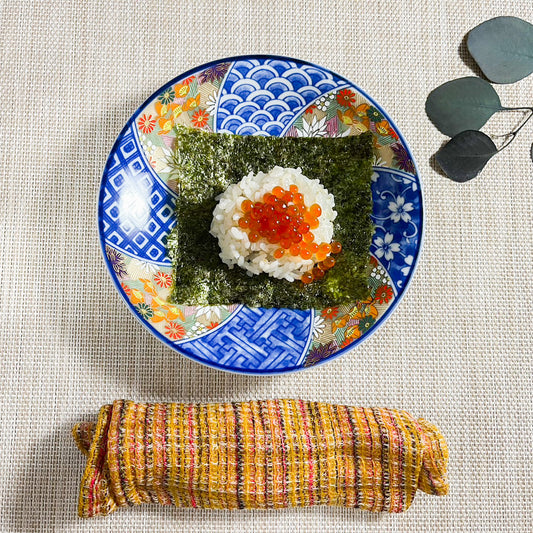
(258,455)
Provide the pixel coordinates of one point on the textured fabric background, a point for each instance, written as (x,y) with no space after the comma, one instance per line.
(457,350)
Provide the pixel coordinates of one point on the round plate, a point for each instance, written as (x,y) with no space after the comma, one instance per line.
(253,95)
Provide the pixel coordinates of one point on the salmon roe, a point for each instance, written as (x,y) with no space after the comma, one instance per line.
(307,278)
(282,218)
(336,247)
(324,260)
(317,273)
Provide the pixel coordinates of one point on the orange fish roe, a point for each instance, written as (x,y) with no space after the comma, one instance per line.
(320,256)
(325,248)
(244,222)
(305,253)
(325,261)
(278,192)
(253,236)
(282,218)
(336,247)
(315,210)
(246,206)
(298,198)
(288,197)
(279,218)
(308,237)
(328,263)
(317,273)
(307,278)
(295,250)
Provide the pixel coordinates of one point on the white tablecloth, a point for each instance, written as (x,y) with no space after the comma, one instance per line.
(457,351)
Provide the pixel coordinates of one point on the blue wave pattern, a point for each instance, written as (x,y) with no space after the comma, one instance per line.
(256,339)
(397,218)
(136,210)
(263,96)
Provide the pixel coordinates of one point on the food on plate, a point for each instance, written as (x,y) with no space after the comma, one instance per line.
(234,193)
(279,223)
(258,455)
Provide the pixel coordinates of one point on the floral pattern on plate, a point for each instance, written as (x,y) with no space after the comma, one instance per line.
(147,286)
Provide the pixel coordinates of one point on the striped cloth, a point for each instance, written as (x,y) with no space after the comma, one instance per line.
(259,454)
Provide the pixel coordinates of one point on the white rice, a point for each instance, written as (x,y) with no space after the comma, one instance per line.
(258,257)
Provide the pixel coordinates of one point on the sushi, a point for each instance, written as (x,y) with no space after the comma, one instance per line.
(279,223)
(222,255)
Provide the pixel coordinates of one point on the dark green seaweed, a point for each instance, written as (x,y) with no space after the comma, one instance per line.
(205,164)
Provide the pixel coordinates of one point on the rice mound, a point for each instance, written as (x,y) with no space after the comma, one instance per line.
(258,257)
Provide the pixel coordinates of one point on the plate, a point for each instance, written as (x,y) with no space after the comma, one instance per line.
(253,95)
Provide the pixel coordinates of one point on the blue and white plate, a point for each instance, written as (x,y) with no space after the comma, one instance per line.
(253,95)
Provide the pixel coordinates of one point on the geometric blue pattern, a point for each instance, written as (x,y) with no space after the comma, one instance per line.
(136,209)
(256,339)
(397,216)
(263,96)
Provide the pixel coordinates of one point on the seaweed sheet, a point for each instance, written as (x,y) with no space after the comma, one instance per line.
(205,164)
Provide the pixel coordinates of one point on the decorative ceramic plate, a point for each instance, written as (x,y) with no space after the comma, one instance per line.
(253,95)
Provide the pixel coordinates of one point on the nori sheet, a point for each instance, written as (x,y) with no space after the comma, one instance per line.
(205,164)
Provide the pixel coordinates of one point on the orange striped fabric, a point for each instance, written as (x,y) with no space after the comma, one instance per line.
(258,455)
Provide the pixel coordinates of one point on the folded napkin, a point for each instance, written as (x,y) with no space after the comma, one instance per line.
(259,454)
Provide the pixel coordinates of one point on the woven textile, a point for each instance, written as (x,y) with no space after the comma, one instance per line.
(457,350)
(258,455)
